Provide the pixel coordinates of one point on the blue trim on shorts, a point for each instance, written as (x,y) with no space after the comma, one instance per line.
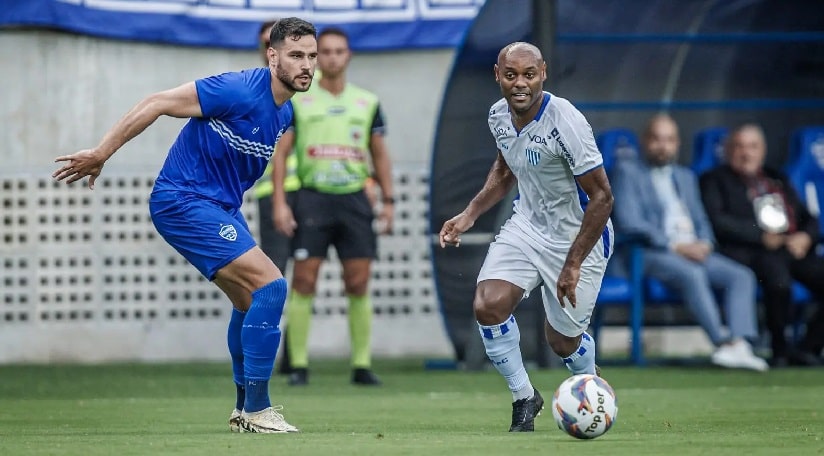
(583,199)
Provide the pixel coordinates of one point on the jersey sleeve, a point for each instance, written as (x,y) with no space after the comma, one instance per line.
(378,124)
(575,142)
(291,126)
(222,95)
(495,127)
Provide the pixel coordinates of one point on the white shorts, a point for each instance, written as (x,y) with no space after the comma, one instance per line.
(519,260)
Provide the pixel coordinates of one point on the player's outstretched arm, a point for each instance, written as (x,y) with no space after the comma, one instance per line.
(499,182)
(181,101)
(596,185)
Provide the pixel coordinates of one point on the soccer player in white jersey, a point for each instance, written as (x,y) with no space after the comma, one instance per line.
(559,236)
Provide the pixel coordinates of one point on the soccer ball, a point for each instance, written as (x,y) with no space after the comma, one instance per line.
(584,406)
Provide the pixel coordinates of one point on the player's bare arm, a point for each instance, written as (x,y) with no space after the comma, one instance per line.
(596,185)
(383,175)
(180,102)
(282,214)
(499,182)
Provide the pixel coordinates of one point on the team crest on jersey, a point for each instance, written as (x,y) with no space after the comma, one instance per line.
(228,232)
(533,156)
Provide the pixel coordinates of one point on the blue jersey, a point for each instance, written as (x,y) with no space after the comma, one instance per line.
(220,155)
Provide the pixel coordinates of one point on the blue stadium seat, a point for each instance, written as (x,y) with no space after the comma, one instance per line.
(656,291)
(803,139)
(622,290)
(806,170)
(617,144)
(708,149)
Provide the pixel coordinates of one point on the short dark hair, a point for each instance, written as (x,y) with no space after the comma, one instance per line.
(334,31)
(292,27)
(264,27)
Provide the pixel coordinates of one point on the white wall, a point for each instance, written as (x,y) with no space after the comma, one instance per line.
(61,92)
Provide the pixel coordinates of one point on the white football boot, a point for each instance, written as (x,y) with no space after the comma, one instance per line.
(266,421)
(234,421)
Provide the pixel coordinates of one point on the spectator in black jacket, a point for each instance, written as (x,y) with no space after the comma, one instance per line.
(759,221)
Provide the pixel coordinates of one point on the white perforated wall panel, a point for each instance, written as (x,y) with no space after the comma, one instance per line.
(82,268)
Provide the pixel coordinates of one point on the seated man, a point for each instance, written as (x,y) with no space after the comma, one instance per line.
(761,223)
(658,199)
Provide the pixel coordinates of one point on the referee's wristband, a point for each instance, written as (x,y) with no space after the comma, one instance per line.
(388,200)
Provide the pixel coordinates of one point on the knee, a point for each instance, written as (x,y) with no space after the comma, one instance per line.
(745,277)
(357,286)
(304,282)
(490,306)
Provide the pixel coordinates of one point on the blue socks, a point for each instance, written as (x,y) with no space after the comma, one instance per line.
(260,337)
(236,350)
(582,360)
(503,347)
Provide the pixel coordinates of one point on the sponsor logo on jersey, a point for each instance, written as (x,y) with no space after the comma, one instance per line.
(335,152)
(336,110)
(564,151)
(537,139)
(533,156)
(501,131)
(228,232)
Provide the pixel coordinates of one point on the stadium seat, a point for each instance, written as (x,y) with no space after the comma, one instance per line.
(622,289)
(806,170)
(625,291)
(708,149)
(617,144)
(656,291)
(803,139)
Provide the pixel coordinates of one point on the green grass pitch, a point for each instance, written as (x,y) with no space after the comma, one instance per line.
(181,409)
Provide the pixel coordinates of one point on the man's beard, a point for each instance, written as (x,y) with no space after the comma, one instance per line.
(660,162)
(283,76)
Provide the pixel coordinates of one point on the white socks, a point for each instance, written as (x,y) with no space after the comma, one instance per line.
(503,347)
(582,360)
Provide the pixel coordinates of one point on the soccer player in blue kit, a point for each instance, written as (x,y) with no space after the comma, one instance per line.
(235,121)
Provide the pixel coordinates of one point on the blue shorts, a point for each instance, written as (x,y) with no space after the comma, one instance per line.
(208,234)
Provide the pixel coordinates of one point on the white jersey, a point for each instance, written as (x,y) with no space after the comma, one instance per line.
(545,157)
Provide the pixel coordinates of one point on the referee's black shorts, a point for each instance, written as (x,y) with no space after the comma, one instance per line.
(344,221)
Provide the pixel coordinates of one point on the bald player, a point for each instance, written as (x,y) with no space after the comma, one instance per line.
(559,236)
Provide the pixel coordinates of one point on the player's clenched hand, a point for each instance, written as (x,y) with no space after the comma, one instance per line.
(87,162)
(283,219)
(453,228)
(567,283)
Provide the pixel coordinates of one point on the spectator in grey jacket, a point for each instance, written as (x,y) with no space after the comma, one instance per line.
(657,199)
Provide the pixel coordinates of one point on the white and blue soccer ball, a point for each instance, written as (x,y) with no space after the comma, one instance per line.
(584,406)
